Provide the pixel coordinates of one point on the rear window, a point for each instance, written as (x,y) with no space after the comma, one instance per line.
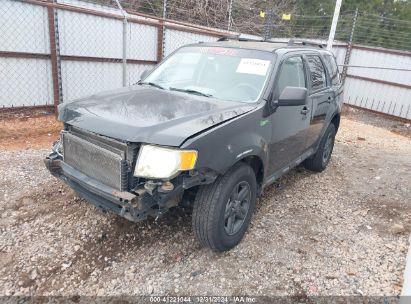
(333,69)
(318,79)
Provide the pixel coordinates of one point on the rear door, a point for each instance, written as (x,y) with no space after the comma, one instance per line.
(320,97)
(334,78)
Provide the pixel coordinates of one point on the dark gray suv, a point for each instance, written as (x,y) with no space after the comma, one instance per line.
(212,125)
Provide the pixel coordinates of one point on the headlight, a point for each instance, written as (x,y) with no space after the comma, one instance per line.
(163,163)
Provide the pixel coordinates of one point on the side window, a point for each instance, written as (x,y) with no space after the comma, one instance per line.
(333,69)
(318,79)
(291,75)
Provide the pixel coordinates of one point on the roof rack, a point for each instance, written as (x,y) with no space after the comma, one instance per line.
(238,38)
(227,38)
(291,42)
(304,42)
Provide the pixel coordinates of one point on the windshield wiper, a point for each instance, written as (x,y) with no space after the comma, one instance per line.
(190,91)
(153,84)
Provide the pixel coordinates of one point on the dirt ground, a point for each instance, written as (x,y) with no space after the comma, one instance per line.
(341,232)
(28,131)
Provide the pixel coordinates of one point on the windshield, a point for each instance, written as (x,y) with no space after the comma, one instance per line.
(223,73)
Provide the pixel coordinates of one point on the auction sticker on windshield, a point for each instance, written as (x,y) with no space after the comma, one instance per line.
(253,66)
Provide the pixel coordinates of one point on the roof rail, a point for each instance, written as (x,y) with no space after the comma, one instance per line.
(238,38)
(227,38)
(304,42)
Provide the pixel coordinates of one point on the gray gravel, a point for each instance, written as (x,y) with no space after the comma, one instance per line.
(341,232)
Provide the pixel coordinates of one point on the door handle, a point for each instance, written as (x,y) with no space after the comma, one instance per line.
(305,110)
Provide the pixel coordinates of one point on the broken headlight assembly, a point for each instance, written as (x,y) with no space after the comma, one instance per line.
(58,147)
(156,162)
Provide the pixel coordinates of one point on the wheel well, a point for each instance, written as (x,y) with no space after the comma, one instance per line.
(336,121)
(257,165)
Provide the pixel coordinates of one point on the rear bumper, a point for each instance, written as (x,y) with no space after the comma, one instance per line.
(125,204)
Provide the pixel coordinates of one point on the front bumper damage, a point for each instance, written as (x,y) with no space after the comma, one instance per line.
(135,205)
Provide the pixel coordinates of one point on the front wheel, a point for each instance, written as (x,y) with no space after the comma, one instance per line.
(319,161)
(222,210)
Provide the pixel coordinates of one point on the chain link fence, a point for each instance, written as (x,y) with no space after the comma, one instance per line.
(378,31)
(58,50)
(24,59)
(102,51)
(54,51)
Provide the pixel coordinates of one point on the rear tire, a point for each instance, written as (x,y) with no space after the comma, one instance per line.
(222,210)
(319,161)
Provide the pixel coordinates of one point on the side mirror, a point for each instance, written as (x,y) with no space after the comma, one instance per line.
(292,96)
(144,74)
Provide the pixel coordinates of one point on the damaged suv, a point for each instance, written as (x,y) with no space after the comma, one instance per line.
(211,126)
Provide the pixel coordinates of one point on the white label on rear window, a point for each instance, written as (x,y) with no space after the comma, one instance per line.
(253,66)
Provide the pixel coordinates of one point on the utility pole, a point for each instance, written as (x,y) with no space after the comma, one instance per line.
(334,24)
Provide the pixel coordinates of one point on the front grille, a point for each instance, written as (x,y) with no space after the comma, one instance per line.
(104,160)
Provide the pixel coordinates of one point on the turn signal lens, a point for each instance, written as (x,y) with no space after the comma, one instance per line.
(187,160)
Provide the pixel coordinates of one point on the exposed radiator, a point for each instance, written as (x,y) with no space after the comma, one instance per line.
(99,160)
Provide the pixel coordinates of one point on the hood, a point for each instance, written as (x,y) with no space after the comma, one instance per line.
(149,115)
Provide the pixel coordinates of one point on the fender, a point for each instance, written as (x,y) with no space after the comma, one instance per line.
(223,146)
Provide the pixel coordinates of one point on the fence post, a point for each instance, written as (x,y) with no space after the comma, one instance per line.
(230,9)
(124,61)
(55,55)
(125,51)
(164,9)
(349,47)
(160,41)
(269,23)
(160,34)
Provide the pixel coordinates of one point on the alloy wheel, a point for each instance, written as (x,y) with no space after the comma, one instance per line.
(237,207)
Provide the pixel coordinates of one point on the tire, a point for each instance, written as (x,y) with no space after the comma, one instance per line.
(319,161)
(220,221)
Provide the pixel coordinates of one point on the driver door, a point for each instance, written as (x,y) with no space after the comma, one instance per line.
(289,123)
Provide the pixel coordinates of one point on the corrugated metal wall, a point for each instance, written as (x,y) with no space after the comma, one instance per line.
(378,79)
(381,59)
(378,97)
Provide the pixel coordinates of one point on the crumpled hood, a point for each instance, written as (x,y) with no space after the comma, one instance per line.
(149,115)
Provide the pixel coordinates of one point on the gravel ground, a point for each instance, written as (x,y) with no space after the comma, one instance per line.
(398,126)
(341,232)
